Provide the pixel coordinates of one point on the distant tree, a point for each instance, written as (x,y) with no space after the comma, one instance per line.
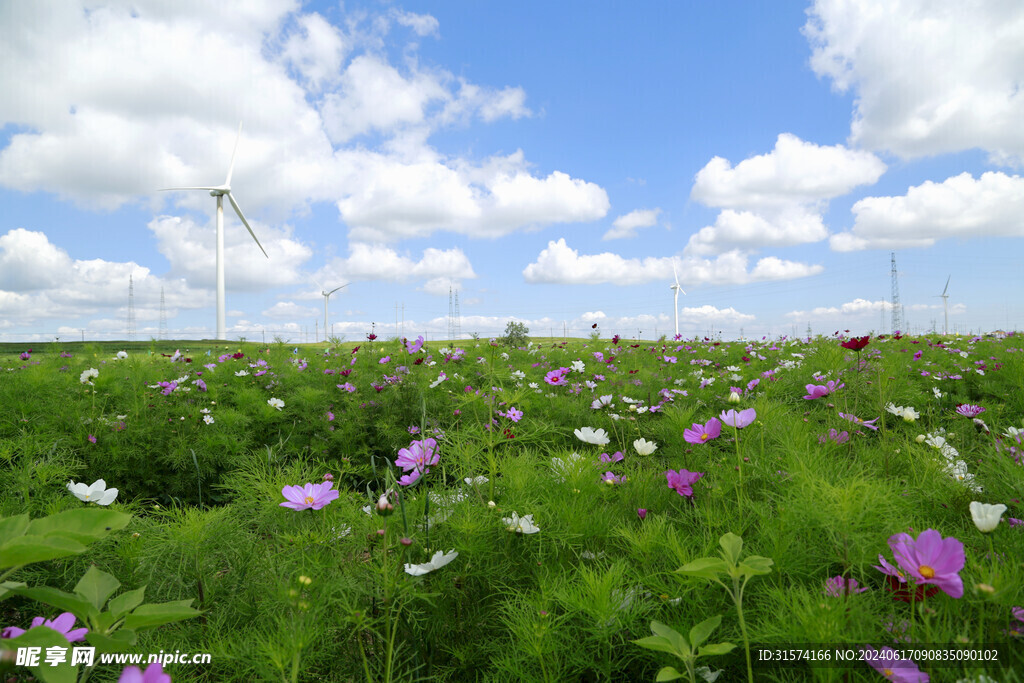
(515,334)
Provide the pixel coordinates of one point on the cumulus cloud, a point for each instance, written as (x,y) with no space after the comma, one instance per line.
(289,310)
(857,307)
(961,206)
(929,78)
(628,224)
(777,199)
(560,264)
(437,268)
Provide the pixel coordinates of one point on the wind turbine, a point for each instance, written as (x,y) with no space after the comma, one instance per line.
(676,288)
(945,306)
(327,295)
(219,191)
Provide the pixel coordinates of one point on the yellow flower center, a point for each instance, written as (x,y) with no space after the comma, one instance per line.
(703,437)
(309,500)
(926,571)
(887,673)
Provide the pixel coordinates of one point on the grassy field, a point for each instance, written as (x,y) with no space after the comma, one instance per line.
(479,511)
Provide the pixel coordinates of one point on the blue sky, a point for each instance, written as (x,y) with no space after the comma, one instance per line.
(551,162)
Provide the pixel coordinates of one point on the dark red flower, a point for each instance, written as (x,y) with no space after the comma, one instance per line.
(615,339)
(856,343)
(355,349)
(901,591)
(371,336)
(417,361)
(238,355)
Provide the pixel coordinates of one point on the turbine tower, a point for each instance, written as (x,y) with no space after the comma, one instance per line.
(675,300)
(327,295)
(219,191)
(945,306)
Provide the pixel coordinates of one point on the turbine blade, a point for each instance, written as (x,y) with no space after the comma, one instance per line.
(245,222)
(675,273)
(336,289)
(171,189)
(947,285)
(231,168)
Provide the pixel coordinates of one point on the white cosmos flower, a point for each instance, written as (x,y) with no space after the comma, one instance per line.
(439,560)
(87,375)
(601,402)
(645,447)
(242,373)
(578,366)
(479,480)
(97,493)
(598,437)
(208,419)
(121,355)
(520,525)
(275,403)
(986,517)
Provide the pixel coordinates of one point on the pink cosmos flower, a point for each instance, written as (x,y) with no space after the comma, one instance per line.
(154,673)
(833,435)
(888,664)
(414,346)
(309,496)
(62,624)
(969,410)
(683,481)
(837,586)
(614,457)
(92,438)
(700,433)
(513,414)
(418,456)
(740,419)
(641,513)
(930,559)
(612,478)
(818,390)
(870,424)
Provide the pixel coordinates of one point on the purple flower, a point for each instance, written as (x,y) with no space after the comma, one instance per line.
(92,438)
(513,414)
(556,377)
(418,456)
(833,435)
(642,514)
(897,670)
(740,419)
(154,673)
(870,424)
(837,586)
(414,346)
(969,410)
(918,354)
(931,559)
(683,481)
(818,390)
(614,457)
(700,433)
(611,478)
(62,624)
(309,496)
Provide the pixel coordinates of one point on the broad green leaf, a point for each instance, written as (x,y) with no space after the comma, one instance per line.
(151,616)
(700,632)
(81,524)
(28,549)
(733,546)
(97,586)
(716,649)
(126,602)
(668,673)
(44,637)
(706,567)
(756,565)
(673,636)
(12,527)
(67,602)
(119,641)
(6,586)
(656,643)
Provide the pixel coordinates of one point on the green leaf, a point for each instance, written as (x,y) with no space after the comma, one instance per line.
(706,567)
(716,649)
(678,640)
(97,586)
(733,546)
(126,602)
(6,587)
(700,632)
(12,527)
(44,637)
(28,549)
(82,524)
(151,616)
(756,565)
(67,602)
(668,673)
(656,643)
(118,641)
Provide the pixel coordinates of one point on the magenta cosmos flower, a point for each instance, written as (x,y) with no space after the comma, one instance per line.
(819,390)
(969,410)
(419,455)
(309,496)
(414,346)
(740,419)
(930,559)
(837,587)
(888,663)
(154,673)
(700,433)
(62,624)
(683,481)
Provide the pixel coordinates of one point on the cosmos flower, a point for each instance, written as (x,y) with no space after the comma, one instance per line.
(837,586)
(931,559)
(907,413)
(856,343)
(969,410)
(888,663)
(644,447)
(62,624)
(275,403)
(701,433)
(154,673)
(683,481)
(614,457)
(870,424)
(986,517)
(740,419)
(439,560)
(598,437)
(414,346)
(87,375)
(97,493)
(311,495)
(520,525)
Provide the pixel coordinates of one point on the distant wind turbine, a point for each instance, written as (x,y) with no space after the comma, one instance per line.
(219,191)
(327,295)
(676,288)
(945,306)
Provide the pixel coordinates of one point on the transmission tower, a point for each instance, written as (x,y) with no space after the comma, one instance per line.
(451,314)
(458,316)
(131,308)
(163,316)
(897,309)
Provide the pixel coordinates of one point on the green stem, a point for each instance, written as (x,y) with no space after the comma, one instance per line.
(739,462)
(738,598)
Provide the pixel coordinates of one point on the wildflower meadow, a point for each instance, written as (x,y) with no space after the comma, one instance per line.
(584,510)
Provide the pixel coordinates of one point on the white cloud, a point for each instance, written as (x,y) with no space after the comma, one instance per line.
(961,207)
(438,267)
(857,307)
(560,264)
(707,313)
(627,225)
(929,77)
(316,51)
(421,24)
(777,199)
(289,310)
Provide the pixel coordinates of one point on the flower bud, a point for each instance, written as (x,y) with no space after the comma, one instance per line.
(405,541)
(734,397)
(384,508)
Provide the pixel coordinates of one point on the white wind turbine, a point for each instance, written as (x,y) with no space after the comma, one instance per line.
(945,306)
(676,288)
(219,191)
(327,295)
